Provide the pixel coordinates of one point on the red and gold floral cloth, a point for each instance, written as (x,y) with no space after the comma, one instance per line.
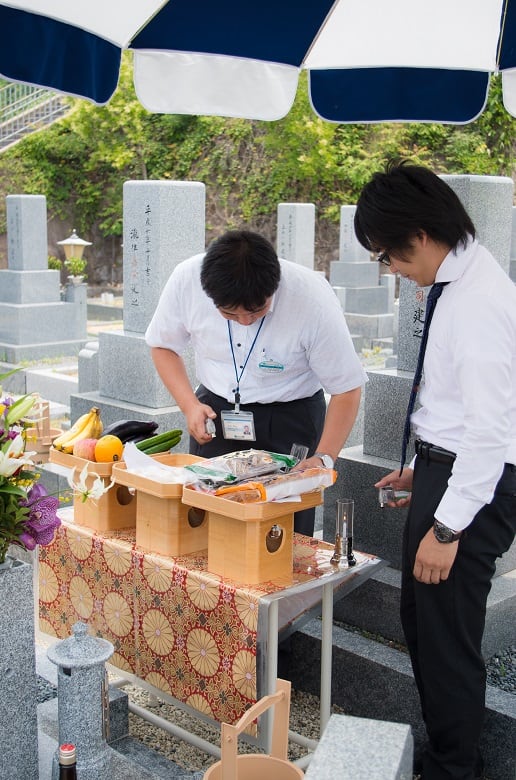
(173,624)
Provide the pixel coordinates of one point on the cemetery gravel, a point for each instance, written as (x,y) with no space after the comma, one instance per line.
(304,718)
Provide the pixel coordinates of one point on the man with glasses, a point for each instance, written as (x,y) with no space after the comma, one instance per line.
(462,483)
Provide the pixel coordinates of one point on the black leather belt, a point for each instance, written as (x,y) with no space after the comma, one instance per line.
(431,452)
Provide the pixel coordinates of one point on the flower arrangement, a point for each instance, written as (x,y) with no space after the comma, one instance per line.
(27,513)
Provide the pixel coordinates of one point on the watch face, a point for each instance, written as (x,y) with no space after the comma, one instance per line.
(444,534)
(327,460)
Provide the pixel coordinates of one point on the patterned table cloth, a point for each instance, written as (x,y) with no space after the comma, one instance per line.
(174,625)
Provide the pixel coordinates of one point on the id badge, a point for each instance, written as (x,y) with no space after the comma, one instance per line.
(237,425)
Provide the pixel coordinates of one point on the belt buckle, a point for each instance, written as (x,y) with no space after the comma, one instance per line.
(423,449)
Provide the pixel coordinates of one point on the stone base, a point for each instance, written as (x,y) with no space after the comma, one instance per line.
(362,749)
(371,680)
(374,607)
(18,726)
(16,353)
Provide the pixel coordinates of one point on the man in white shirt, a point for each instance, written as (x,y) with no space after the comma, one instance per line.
(462,512)
(268,335)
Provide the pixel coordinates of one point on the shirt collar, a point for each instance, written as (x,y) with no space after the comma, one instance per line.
(456,261)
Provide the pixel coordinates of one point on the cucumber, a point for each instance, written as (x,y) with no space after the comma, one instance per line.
(159,439)
(165,446)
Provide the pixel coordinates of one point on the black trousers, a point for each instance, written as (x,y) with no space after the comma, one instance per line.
(277,427)
(444,624)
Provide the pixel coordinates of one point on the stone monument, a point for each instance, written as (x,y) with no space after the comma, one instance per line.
(366,296)
(164,223)
(296,232)
(33,319)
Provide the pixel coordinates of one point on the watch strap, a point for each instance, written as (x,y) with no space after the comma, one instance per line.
(326,459)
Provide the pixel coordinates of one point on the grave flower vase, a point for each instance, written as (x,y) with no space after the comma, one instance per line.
(18,686)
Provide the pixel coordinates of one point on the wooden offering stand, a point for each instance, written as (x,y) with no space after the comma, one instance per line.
(252,542)
(40,436)
(115,509)
(164,524)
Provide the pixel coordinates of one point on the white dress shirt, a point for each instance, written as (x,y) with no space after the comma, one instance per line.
(304,333)
(468,392)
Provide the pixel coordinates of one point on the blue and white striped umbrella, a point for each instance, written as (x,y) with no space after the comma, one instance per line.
(367,60)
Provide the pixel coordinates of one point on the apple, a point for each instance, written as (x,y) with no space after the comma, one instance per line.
(85,448)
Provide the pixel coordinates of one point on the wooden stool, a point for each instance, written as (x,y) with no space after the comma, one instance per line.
(253,542)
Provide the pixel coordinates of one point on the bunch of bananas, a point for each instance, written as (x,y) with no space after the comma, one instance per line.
(87,426)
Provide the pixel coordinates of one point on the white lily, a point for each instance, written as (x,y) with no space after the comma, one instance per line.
(96,490)
(12,456)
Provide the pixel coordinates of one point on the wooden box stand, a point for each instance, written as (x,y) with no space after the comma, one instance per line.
(242,541)
(39,438)
(115,509)
(164,524)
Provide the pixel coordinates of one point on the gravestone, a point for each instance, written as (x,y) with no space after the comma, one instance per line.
(366,297)
(296,232)
(33,319)
(164,223)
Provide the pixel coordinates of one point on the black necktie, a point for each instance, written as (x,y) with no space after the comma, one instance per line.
(433,295)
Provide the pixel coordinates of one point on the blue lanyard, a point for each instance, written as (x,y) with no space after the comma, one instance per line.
(237,375)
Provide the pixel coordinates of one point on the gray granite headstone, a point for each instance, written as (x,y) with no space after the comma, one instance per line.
(34,322)
(27,232)
(164,223)
(349,247)
(296,231)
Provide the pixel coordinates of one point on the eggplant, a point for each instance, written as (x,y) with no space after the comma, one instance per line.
(128,430)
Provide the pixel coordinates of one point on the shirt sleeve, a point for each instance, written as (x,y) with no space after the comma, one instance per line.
(483,365)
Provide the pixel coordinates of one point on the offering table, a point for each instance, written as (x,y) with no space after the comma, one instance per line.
(203,640)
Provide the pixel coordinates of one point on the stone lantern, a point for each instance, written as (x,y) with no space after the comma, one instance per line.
(83,700)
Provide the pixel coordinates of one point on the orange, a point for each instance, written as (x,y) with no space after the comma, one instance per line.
(108,448)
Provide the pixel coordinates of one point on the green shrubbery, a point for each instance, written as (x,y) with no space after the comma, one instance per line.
(81,162)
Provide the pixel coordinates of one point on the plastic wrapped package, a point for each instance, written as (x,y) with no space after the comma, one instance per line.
(278,486)
(235,467)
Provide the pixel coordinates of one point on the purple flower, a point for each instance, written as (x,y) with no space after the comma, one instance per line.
(42,520)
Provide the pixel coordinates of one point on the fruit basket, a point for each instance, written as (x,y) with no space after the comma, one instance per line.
(115,509)
(164,524)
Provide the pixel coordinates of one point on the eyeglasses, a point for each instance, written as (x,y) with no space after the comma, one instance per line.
(384,258)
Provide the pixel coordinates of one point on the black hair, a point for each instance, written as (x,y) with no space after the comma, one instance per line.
(240,268)
(395,206)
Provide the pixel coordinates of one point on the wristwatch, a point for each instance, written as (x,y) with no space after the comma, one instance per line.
(327,460)
(444,534)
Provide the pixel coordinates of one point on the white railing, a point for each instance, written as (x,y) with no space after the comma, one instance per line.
(24,109)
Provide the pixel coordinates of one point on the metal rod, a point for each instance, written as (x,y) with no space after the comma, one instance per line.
(326,653)
(176,731)
(272,665)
